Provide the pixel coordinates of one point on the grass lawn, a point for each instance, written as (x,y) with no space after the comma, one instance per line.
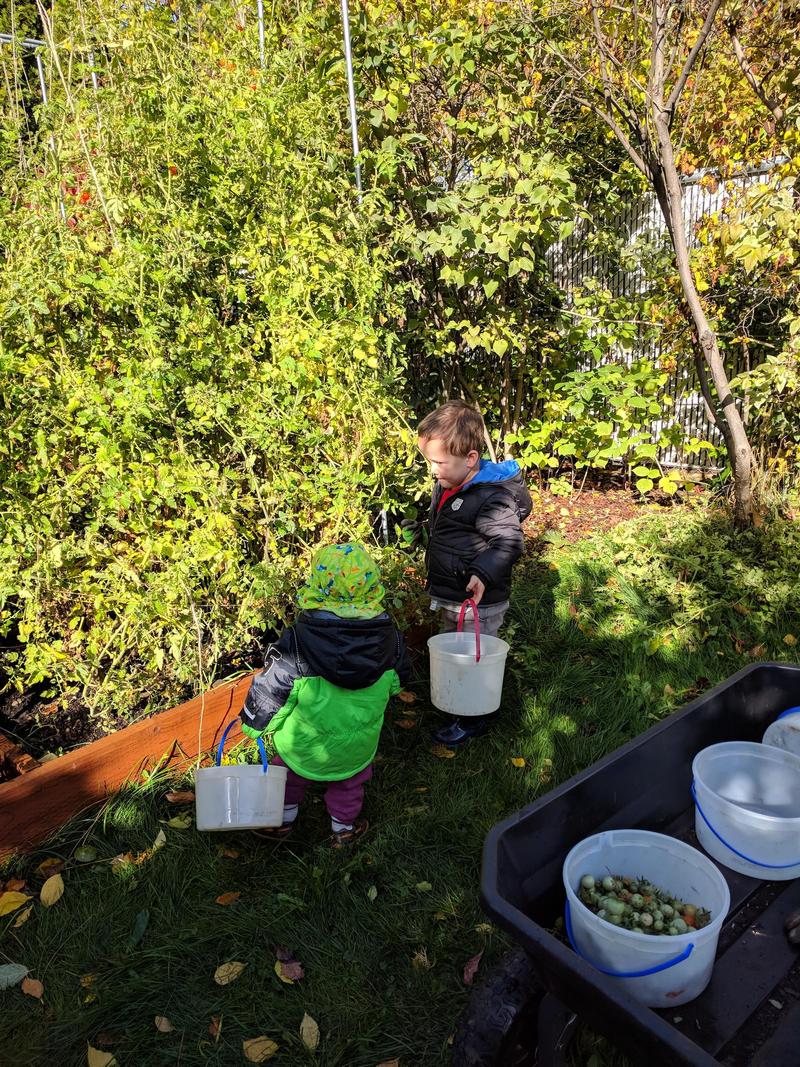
(608,635)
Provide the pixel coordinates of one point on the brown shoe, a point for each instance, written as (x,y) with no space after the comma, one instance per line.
(275,833)
(342,838)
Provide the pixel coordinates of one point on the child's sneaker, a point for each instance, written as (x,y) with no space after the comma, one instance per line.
(275,833)
(342,838)
(460,731)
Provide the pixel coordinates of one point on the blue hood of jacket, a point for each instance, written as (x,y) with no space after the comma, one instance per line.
(494,472)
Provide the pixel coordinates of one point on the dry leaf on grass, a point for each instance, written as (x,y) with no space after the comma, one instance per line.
(15,885)
(215,1026)
(11,901)
(309,1032)
(180,822)
(33,988)
(230,853)
(407,697)
(95,1057)
(372,894)
(390,1063)
(471,968)
(23,916)
(442,752)
(11,974)
(790,640)
(50,866)
(405,724)
(289,971)
(259,1049)
(517,761)
(420,961)
(88,980)
(228,972)
(163,1024)
(160,841)
(185,796)
(52,890)
(227,898)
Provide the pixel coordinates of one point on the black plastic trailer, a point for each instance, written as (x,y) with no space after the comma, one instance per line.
(528,1007)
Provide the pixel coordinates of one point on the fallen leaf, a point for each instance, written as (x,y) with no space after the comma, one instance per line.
(180,822)
(230,853)
(740,646)
(405,724)
(283,953)
(440,916)
(790,640)
(389,1063)
(259,1049)
(741,609)
(309,1032)
(423,887)
(757,651)
(52,890)
(289,971)
(85,854)
(163,1024)
(421,789)
(50,866)
(372,894)
(471,968)
(88,980)
(121,860)
(228,898)
(15,885)
(228,972)
(33,987)
(11,901)
(407,697)
(96,1058)
(23,916)
(517,761)
(442,752)
(420,960)
(11,974)
(160,841)
(140,924)
(106,1037)
(215,1026)
(185,796)
(483,928)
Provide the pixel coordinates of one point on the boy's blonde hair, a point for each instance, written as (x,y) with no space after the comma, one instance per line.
(458,425)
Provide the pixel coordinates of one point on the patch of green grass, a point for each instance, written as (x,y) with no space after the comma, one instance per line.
(607,636)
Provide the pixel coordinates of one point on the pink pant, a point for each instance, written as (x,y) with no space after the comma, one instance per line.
(343,800)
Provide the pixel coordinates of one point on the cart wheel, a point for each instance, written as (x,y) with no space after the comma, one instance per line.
(499,1026)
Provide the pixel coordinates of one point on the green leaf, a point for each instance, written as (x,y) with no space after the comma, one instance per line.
(139,926)
(644,485)
(500,346)
(11,974)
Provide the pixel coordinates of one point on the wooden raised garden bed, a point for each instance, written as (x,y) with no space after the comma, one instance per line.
(45,796)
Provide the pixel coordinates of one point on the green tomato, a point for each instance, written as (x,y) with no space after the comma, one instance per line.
(587,881)
(608,883)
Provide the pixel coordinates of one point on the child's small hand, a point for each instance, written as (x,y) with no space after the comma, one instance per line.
(476,588)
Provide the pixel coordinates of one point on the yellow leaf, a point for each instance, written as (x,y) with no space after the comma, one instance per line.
(790,640)
(518,761)
(228,898)
(50,866)
(309,1032)
(52,890)
(23,916)
(163,1024)
(96,1058)
(279,971)
(228,972)
(160,841)
(442,752)
(33,987)
(88,980)
(180,822)
(259,1049)
(11,901)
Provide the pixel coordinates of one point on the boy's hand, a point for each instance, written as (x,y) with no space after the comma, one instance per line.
(476,588)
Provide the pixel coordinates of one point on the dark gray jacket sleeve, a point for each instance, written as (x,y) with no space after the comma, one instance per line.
(271,687)
(498,523)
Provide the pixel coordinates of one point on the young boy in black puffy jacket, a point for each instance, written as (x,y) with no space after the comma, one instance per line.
(474,529)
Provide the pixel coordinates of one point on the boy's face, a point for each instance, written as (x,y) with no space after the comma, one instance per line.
(449,470)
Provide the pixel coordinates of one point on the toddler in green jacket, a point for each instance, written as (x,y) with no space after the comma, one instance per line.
(325,685)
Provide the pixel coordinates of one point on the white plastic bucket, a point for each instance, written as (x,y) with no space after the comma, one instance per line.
(659,971)
(239,796)
(747,808)
(467,669)
(785,731)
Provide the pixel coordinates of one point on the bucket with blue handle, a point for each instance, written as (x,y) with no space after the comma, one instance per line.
(240,796)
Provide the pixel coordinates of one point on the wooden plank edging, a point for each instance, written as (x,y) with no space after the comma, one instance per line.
(39,802)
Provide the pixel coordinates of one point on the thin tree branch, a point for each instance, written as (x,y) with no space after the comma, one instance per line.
(697,47)
(757,86)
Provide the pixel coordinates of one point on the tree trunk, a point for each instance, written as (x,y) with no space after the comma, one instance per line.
(670,196)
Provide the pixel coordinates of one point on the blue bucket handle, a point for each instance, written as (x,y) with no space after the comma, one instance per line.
(783,714)
(259,742)
(728,845)
(625,974)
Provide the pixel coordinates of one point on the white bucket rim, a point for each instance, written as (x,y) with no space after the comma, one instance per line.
(761,751)
(486,654)
(633,935)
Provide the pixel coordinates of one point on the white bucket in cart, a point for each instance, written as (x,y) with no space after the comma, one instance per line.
(467,669)
(747,808)
(659,971)
(239,796)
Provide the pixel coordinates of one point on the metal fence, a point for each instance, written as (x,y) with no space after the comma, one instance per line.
(572,263)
